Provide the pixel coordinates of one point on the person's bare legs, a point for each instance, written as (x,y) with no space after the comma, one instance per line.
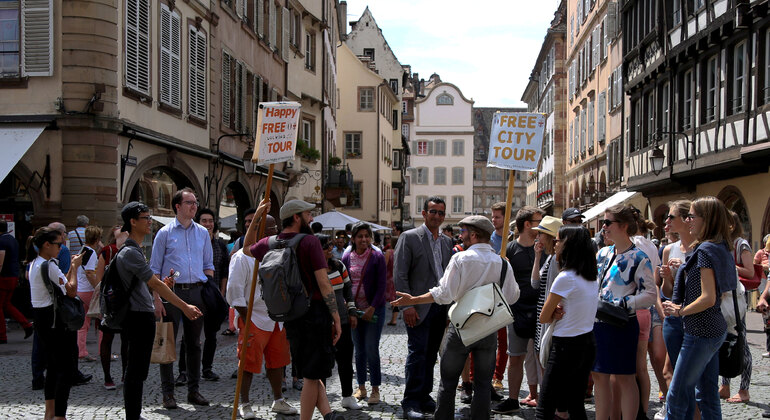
(49,409)
(313,396)
(602,395)
(245,386)
(466,375)
(515,375)
(629,401)
(658,356)
(275,377)
(616,410)
(642,375)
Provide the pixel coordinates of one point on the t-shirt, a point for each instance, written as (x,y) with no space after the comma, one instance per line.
(309,255)
(84,285)
(11,261)
(522,258)
(132,266)
(77,239)
(709,323)
(38,290)
(579,302)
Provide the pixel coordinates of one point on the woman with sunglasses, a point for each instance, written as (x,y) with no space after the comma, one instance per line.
(626,281)
(343,291)
(366,266)
(708,273)
(59,346)
(573,347)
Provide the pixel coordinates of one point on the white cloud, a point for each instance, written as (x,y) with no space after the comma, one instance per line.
(487,48)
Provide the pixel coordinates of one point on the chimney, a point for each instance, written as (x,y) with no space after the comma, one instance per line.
(343,16)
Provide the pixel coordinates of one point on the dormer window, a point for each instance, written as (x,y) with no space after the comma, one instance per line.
(445,99)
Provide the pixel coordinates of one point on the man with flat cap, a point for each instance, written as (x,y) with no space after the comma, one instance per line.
(476,266)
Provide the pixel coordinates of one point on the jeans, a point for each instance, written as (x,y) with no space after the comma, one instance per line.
(59,347)
(566,374)
(366,341)
(423,342)
(673,334)
(139,333)
(452,362)
(697,365)
(344,357)
(192,339)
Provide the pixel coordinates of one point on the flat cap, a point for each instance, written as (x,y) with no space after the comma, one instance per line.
(292,207)
(479,222)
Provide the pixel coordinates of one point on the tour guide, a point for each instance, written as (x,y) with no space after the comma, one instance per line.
(477,266)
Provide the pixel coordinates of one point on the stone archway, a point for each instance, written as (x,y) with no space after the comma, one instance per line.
(234,200)
(179,171)
(766,221)
(733,199)
(659,217)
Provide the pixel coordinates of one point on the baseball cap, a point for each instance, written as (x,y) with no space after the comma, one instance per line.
(571,213)
(292,207)
(131,211)
(549,225)
(479,222)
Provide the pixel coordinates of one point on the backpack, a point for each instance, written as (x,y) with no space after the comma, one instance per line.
(284,293)
(114,296)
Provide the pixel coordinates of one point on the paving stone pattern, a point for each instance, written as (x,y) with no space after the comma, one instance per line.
(92,401)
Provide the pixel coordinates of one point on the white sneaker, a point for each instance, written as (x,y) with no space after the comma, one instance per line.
(661,414)
(282,407)
(766,355)
(350,403)
(246,412)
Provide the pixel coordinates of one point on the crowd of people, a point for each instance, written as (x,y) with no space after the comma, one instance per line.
(587,312)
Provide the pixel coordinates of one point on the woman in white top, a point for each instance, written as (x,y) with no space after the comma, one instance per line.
(573,348)
(58,346)
(87,281)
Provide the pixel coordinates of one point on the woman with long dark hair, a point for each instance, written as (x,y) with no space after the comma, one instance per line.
(708,273)
(59,345)
(573,347)
(366,266)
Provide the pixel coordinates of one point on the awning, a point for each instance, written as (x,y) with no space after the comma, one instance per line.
(163,220)
(335,220)
(16,140)
(617,198)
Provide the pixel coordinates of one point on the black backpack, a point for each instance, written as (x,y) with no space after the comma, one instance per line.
(115,296)
(284,293)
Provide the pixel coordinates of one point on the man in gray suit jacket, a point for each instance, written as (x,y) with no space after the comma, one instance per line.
(421,256)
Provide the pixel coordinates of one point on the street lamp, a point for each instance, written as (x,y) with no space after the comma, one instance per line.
(656,160)
(249,166)
(343,199)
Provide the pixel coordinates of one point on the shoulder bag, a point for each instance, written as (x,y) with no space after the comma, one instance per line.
(753,282)
(731,353)
(607,312)
(68,310)
(481,311)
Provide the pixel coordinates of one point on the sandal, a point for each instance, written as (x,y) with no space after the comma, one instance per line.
(228,332)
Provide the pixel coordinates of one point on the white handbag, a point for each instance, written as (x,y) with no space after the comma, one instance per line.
(480,312)
(545,344)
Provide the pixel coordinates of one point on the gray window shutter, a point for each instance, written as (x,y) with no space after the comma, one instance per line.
(430,148)
(259,17)
(273,24)
(285,34)
(137,73)
(170,63)
(37,38)
(197,76)
(225,89)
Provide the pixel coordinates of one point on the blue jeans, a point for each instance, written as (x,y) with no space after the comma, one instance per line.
(697,365)
(673,334)
(423,342)
(366,341)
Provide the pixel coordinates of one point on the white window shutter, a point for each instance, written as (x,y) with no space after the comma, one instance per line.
(170,44)
(612,14)
(197,74)
(596,47)
(138,45)
(285,34)
(273,24)
(37,38)
(225,89)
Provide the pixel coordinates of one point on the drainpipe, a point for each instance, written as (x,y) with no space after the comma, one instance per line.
(379,203)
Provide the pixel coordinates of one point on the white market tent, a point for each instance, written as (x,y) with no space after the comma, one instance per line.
(335,220)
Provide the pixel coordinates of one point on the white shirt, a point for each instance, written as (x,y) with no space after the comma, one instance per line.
(648,248)
(84,285)
(239,287)
(477,266)
(578,297)
(38,290)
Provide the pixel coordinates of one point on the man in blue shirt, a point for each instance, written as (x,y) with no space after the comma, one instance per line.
(183,246)
(498,221)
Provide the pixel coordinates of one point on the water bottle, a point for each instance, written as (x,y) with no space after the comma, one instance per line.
(360,314)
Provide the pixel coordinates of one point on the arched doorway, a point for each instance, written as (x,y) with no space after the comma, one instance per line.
(659,217)
(156,187)
(733,199)
(17,208)
(233,202)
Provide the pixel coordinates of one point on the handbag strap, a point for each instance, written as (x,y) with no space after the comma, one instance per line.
(363,273)
(502,273)
(49,284)
(604,268)
(738,320)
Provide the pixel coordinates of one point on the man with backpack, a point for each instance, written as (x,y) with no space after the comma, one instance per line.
(138,325)
(312,320)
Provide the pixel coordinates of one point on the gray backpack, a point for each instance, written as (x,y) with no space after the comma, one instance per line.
(284,293)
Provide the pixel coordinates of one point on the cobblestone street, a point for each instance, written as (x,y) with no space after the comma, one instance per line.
(92,401)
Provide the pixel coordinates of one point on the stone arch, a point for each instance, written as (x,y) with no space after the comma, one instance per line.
(766,222)
(22,172)
(275,204)
(659,217)
(733,199)
(240,199)
(179,171)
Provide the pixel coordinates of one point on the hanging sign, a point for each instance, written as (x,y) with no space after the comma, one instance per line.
(516,140)
(276,136)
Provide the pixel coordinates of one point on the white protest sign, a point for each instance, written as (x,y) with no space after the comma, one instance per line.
(516,140)
(276,137)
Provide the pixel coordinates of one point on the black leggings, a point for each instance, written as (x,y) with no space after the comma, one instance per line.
(565,376)
(59,348)
(105,353)
(344,357)
(138,334)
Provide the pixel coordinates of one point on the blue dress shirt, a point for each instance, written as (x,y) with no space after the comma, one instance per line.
(187,251)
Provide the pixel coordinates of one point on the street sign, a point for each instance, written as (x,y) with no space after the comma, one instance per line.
(516,140)
(11,224)
(276,136)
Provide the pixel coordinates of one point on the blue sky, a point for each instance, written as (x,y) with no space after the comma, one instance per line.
(488,51)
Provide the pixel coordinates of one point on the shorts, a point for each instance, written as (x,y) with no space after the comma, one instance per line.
(656,320)
(517,346)
(310,339)
(270,346)
(616,348)
(645,324)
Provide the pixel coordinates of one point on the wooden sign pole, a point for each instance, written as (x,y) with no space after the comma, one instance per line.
(247,322)
(508,200)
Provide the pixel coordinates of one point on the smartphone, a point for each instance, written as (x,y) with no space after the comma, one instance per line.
(87,252)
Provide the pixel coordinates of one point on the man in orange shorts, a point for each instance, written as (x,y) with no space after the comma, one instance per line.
(267,338)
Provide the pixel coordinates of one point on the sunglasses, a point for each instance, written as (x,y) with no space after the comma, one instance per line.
(670,217)
(439,212)
(58,244)
(607,222)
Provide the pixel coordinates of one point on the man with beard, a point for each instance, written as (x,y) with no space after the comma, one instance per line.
(313,335)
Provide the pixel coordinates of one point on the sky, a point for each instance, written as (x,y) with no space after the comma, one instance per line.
(488,51)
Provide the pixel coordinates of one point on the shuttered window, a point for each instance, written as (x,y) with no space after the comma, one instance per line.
(170,62)
(197,73)
(285,33)
(37,37)
(259,19)
(272,34)
(226,59)
(137,75)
